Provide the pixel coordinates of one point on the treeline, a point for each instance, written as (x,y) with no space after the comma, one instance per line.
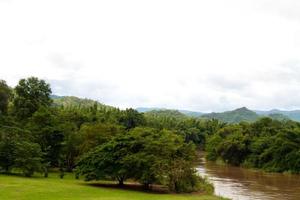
(266,144)
(103,142)
(97,141)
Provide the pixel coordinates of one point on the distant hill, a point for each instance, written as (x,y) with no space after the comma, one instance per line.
(148,109)
(293,114)
(234,116)
(166,114)
(278,116)
(244,114)
(186,112)
(53,96)
(192,113)
(71,101)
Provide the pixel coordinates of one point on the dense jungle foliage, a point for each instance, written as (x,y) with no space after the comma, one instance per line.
(267,144)
(39,132)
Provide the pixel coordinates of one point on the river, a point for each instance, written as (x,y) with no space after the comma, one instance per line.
(246,184)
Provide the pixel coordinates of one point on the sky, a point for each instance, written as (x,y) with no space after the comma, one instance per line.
(198,55)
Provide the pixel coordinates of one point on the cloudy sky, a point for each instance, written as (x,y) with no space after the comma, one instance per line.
(200,55)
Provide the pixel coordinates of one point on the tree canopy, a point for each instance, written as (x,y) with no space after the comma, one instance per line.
(5,93)
(104,142)
(30,95)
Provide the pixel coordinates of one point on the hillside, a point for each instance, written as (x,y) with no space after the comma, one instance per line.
(148,109)
(293,114)
(186,112)
(71,101)
(278,116)
(166,114)
(235,116)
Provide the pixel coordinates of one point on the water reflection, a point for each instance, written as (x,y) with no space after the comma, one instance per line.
(244,184)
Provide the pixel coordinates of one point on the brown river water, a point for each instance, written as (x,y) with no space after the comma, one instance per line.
(245,184)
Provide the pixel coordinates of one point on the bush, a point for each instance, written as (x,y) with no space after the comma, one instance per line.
(28,158)
(183,178)
(205,185)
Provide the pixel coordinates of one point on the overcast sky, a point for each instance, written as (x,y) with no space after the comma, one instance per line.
(211,55)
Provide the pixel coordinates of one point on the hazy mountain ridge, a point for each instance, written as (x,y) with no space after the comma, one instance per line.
(186,112)
(233,116)
(237,115)
(72,101)
(166,114)
(292,114)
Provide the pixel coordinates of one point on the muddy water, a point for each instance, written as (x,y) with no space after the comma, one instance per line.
(245,184)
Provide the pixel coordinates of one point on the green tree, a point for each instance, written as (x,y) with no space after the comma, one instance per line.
(7,152)
(106,161)
(28,157)
(95,134)
(230,144)
(234,149)
(144,154)
(131,118)
(17,152)
(48,133)
(72,141)
(182,177)
(211,147)
(30,94)
(5,93)
(149,154)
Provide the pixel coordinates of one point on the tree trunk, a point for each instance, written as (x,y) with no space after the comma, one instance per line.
(121,181)
(146,186)
(46,173)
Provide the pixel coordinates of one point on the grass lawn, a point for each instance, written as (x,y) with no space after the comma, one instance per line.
(20,188)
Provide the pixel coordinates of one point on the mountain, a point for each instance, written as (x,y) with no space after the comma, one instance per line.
(166,114)
(71,101)
(191,113)
(234,116)
(148,109)
(186,112)
(293,114)
(278,116)
(53,96)
(244,114)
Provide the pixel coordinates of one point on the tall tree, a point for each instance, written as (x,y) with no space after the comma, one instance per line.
(7,148)
(146,155)
(131,118)
(30,95)
(47,133)
(5,93)
(28,157)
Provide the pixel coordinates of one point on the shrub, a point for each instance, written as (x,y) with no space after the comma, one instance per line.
(183,178)
(28,157)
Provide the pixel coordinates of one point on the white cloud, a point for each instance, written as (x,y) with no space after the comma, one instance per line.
(202,55)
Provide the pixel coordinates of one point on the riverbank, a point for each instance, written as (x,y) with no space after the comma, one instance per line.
(240,183)
(54,188)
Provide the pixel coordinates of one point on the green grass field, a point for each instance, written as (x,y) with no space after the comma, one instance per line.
(20,188)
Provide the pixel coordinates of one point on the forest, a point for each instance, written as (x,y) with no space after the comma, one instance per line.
(41,132)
